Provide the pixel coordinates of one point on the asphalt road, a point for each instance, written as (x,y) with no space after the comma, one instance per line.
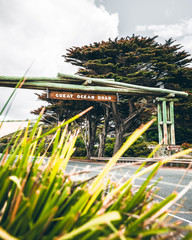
(172,179)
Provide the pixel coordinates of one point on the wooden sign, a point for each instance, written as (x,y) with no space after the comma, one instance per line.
(174,147)
(82,96)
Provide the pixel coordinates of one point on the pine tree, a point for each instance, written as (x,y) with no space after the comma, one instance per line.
(136,60)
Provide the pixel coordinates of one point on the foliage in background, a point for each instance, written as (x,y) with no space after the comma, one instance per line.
(183,116)
(142,61)
(138,149)
(39,199)
(80,150)
(58,110)
(137,60)
(186,145)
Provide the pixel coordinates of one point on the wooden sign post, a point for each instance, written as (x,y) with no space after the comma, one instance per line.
(60,95)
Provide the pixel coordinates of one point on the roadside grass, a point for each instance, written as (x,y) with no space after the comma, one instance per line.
(39,199)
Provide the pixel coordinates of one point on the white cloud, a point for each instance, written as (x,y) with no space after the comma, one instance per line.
(175,30)
(181,31)
(168,12)
(23,101)
(186,41)
(42,30)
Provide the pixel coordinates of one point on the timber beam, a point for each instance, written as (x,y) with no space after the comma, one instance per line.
(84,84)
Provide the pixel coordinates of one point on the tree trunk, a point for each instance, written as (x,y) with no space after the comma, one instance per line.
(121,126)
(101,147)
(119,132)
(103,134)
(91,137)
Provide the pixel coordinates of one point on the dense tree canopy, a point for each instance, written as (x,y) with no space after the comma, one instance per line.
(137,60)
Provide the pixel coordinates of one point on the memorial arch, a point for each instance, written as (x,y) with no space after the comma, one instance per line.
(70,87)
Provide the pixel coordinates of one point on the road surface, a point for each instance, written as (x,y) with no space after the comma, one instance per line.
(172,179)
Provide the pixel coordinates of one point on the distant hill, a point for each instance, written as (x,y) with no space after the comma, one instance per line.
(10,127)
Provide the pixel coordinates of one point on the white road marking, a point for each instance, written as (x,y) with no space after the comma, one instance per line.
(140,178)
(97,170)
(180,218)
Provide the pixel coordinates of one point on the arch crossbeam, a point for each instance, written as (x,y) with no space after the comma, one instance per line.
(84,84)
(90,88)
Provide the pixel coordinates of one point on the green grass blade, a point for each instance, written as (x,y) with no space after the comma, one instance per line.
(64,124)
(145,216)
(108,217)
(6,236)
(10,97)
(114,159)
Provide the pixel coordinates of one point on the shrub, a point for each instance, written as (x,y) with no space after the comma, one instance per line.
(79,142)
(138,149)
(3,143)
(80,152)
(4,140)
(109,146)
(186,145)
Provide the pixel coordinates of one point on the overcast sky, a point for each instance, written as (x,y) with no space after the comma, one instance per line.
(40,31)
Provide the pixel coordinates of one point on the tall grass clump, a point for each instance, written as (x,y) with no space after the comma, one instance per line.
(39,199)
